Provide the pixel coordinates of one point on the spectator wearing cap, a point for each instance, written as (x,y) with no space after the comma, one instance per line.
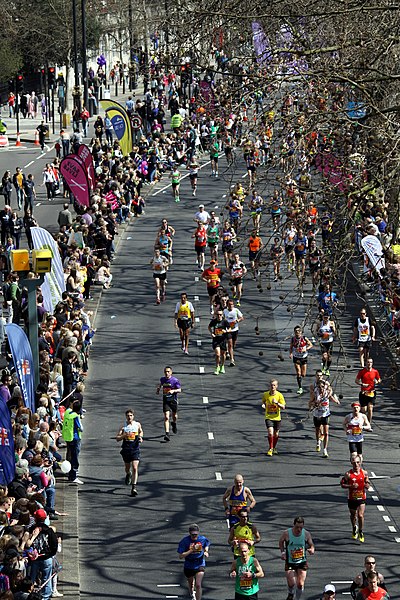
(44,541)
(329,592)
(193,548)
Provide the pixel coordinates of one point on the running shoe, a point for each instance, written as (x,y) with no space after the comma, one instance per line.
(318,447)
(186,352)
(354,534)
(275,451)
(158,301)
(177,199)
(232,363)
(128,478)
(193,193)
(216,372)
(222,369)
(238,303)
(300,391)
(290,596)
(325,454)
(134,491)
(167,437)
(270,452)
(174,427)
(361,537)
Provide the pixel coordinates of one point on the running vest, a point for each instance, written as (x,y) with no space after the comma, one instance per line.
(201,237)
(358,480)
(236,501)
(299,346)
(163,242)
(227,238)
(364,334)
(354,429)
(326,333)
(322,401)
(300,245)
(237,271)
(176,177)
(296,548)
(213,234)
(242,533)
(159,265)
(244,585)
(133,435)
(184,311)
(254,244)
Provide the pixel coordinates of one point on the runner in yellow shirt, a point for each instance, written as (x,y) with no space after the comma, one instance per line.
(273,402)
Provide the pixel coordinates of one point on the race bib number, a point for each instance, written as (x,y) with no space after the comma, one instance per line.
(219,331)
(245,582)
(273,409)
(356,430)
(297,554)
(197,547)
(131,436)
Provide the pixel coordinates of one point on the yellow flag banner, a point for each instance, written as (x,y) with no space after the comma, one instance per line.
(121,124)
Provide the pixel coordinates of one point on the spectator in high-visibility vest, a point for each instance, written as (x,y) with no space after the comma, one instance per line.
(72,433)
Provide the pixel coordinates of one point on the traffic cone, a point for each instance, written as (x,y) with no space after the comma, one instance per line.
(36,139)
(18,142)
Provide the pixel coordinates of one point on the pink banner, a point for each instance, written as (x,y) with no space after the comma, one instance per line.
(85,154)
(73,170)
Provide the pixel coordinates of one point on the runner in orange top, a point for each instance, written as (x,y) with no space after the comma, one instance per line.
(212,277)
(356,482)
(366,379)
(254,245)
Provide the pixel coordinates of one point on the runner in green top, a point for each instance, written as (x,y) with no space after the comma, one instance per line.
(247,571)
(213,239)
(214,152)
(176,180)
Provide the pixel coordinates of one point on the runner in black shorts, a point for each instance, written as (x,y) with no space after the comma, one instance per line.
(171,387)
(218,329)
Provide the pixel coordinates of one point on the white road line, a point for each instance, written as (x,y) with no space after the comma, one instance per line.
(172,596)
(346,593)
(197,319)
(196,299)
(397,540)
(218,476)
(38,204)
(342,581)
(29,164)
(392,528)
(41,155)
(168,585)
(198,342)
(205,399)
(380,508)
(386,518)
(196,279)
(201,370)
(210,435)
(375,498)
(245,175)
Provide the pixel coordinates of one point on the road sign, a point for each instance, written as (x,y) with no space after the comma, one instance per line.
(136,122)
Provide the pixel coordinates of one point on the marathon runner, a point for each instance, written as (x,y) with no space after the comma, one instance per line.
(364,335)
(276,210)
(326,332)
(218,328)
(273,402)
(194,549)
(360,581)
(300,251)
(233,317)
(213,238)
(228,236)
(176,181)
(289,237)
(131,436)
(160,265)
(200,244)
(366,379)
(193,168)
(243,531)
(214,153)
(255,245)
(184,320)
(294,544)
(321,394)
(171,387)
(298,351)
(247,571)
(212,277)
(276,254)
(235,498)
(373,591)
(314,262)
(256,206)
(237,271)
(356,481)
(354,424)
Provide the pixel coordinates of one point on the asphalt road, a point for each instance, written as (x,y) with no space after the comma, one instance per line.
(128,545)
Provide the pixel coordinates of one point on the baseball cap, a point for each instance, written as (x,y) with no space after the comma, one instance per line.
(213,262)
(40,515)
(194,528)
(329,588)
(355,404)
(201,205)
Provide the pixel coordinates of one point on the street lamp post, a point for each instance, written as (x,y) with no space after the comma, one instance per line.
(84,58)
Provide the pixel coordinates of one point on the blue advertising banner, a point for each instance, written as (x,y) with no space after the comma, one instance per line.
(7,458)
(23,361)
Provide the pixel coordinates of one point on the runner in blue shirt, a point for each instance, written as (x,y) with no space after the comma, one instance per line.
(194,549)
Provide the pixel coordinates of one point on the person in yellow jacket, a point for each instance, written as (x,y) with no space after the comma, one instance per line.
(243,531)
(72,433)
(184,320)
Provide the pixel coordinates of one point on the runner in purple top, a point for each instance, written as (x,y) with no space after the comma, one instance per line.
(171,387)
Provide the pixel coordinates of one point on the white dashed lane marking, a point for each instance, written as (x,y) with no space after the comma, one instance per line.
(218,476)
(375,498)
(201,370)
(197,319)
(210,435)
(386,518)
(205,399)
(380,508)
(198,342)
(392,528)
(196,299)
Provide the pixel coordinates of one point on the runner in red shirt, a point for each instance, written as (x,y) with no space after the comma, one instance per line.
(356,482)
(212,277)
(373,591)
(366,379)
